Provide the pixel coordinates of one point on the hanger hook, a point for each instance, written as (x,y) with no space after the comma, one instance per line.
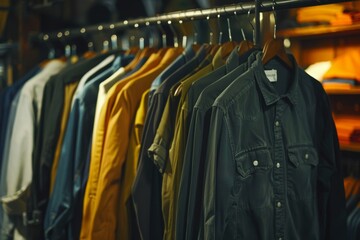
(229,26)
(219,26)
(176,39)
(274,13)
(163,34)
(252,26)
(229,29)
(211,31)
(241,28)
(195,31)
(184,37)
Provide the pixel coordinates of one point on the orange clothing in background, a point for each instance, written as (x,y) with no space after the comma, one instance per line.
(332,14)
(130,167)
(346,127)
(102,218)
(352,186)
(97,147)
(345,66)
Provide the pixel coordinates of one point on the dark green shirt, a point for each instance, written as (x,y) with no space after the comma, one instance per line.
(272,165)
(200,99)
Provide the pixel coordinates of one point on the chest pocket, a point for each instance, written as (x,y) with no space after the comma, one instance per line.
(253,183)
(249,162)
(302,171)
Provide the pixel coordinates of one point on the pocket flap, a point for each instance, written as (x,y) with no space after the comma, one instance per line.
(303,155)
(250,161)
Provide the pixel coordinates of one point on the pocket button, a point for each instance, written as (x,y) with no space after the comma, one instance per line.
(255,163)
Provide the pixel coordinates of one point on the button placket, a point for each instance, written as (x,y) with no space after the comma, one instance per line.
(279,172)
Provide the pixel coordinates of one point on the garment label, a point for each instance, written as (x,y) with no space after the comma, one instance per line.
(271,75)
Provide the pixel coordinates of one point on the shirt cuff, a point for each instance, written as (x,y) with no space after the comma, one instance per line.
(158,153)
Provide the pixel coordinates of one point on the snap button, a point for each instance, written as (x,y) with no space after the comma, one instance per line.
(306,156)
(255,163)
(277,123)
(278,204)
(278,165)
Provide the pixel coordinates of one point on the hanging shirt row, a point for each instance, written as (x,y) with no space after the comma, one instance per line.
(207,142)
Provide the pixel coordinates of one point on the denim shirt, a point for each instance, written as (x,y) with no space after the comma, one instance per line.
(272,165)
(65,201)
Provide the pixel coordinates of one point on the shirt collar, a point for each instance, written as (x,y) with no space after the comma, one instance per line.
(268,91)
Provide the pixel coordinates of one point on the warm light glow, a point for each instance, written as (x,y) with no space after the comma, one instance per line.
(287,43)
(272,19)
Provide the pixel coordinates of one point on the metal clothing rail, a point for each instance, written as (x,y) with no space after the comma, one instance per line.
(255,6)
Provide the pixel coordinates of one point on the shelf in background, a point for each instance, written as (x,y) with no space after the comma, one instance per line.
(352,91)
(316,31)
(353,147)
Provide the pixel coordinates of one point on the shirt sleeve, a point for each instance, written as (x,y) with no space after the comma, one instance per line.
(18,173)
(331,194)
(219,177)
(60,202)
(191,188)
(159,150)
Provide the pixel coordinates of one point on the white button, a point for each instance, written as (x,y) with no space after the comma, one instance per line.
(277,123)
(280,238)
(278,204)
(306,156)
(278,165)
(255,163)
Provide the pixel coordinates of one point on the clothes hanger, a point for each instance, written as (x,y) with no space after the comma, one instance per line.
(91,51)
(163,35)
(184,34)
(227,47)
(105,46)
(74,57)
(245,45)
(51,53)
(175,36)
(212,47)
(133,46)
(195,44)
(67,51)
(114,42)
(274,48)
(220,30)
